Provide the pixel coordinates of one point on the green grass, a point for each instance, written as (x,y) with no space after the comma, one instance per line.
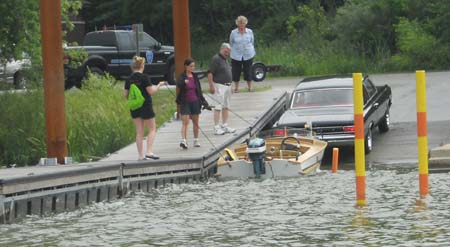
(296,61)
(97,119)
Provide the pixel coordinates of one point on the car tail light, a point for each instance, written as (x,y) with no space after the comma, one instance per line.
(349,128)
(279,132)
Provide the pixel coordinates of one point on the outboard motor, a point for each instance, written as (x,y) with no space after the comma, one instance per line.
(256,150)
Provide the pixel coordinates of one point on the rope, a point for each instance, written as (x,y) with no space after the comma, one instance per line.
(201,130)
(237,115)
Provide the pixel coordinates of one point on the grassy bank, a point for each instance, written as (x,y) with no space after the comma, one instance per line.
(98,122)
(296,61)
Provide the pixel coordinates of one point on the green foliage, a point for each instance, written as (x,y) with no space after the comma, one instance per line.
(310,20)
(98,122)
(77,57)
(366,26)
(70,7)
(295,61)
(209,19)
(383,35)
(20,30)
(418,49)
(22,128)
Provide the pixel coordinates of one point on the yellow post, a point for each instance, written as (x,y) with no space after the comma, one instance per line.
(335,163)
(360,162)
(422,142)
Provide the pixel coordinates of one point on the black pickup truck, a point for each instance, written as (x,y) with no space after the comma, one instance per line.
(325,106)
(112,51)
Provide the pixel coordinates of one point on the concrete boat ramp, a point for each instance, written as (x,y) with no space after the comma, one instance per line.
(42,190)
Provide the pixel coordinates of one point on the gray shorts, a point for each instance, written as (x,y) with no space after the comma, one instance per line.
(190,108)
(221,97)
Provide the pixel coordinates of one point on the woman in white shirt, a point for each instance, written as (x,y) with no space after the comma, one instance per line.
(242,44)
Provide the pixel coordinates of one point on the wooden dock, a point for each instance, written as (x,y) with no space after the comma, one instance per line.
(42,190)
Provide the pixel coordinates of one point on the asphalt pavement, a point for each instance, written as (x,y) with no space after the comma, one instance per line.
(398,146)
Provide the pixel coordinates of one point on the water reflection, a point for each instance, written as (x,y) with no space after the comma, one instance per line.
(308,211)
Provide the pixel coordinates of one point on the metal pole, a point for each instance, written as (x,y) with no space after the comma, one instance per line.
(422,138)
(335,160)
(136,30)
(181,35)
(52,58)
(360,159)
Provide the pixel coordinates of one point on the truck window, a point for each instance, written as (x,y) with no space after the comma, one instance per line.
(148,41)
(100,39)
(125,41)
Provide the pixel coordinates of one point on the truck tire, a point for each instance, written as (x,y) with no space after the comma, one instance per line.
(96,71)
(170,77)
(383,126)
(19,81)
(259,72)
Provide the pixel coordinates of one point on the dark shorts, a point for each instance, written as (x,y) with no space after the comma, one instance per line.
(145,112)
(238,66)
(190,108)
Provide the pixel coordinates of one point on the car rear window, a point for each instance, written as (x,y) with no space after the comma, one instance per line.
(322,97)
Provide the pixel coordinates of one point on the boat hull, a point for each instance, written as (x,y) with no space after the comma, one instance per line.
(273,168)
(290,154)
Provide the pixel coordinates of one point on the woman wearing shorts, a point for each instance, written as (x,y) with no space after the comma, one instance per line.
(190,99)
(143,116)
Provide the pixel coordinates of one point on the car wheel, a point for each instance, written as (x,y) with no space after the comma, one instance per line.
(19,81)
(368,142)
(171,75)
(383,126)
(258,71)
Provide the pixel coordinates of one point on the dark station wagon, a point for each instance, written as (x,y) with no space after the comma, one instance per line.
(325,105)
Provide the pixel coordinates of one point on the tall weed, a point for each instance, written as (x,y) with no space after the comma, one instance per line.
(97,119)
(22,127)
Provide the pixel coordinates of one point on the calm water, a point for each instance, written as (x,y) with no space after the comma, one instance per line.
(309,211)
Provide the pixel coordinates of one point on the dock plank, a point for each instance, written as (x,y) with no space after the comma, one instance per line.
(245,108)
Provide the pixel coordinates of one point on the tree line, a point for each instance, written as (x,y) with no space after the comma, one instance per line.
(396,34)
(403,33)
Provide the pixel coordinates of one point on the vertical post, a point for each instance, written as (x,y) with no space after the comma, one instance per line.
(138,29)
(181,33)
(422,139)
(52,57)
(335,163)
(136,32)
(360,162)
(181,37)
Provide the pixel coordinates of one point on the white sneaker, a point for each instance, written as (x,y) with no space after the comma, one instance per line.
(196,143)
(183,144)
(218,130)
(227,129)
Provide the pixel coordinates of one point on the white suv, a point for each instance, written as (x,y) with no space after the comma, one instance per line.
(12,72)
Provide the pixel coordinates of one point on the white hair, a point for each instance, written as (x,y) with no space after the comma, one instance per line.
(241,19)
(225,45)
